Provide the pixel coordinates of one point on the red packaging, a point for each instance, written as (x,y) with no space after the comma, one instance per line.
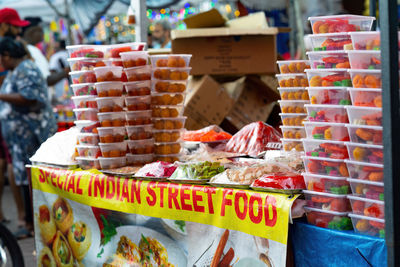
(157,169)
(281,181)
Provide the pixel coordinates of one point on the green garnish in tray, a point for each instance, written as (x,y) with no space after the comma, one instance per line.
(204,170)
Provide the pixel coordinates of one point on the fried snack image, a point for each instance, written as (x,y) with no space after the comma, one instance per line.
(153,252)
(46,258)
(79,239)
(127,254)
(62,251)
(62,214)
(47,225)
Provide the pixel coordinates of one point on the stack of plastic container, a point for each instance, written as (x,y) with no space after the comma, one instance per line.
(325,148)
(292,84)
(365,130)
(169,81)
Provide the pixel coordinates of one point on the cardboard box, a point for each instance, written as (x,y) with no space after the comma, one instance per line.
(207,103)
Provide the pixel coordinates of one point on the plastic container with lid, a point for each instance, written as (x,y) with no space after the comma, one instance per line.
(88,163)
(292,144)
(140,88)
(327,113)
(172,61)
(84,76)
(329,95)
(293,66)
(134,118)
(328,77)
(139,132)
(293,132)
(169,123)
(325,149)
(113,150)
(293,106)
(167,111)
(108,74)
(115,50)
(366,78)
(83,89)
(325,166)
(112,163)
(367,40)
(112,119)
(111,134)
(340,23)
(327,201)
(86,51)
(87,126)
(164,86)
(368,225)
(292,80)
(88,151)
(292,119)
(365,171)
(328,184)
(367,207)
(168,158)
(165,136)
(365,152)
(293,93)
(329,41)
(363,59)
(367,189)
(136,103)
(364,134)
(366,97)
(78,64)
(326,131)
(134,58)
(110,104)
(167,98)
(109,89)
(86,114)
(173,74)
(136,74)
(329,59)
(88,139)
(141,146)
(328,219)
(167,148)
(139,159)
(85,101)
(364,115)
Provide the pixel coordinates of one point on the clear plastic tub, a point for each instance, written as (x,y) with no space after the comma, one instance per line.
(84,89)
(361,59)
(168,158)
(325,149)
(139,160)
(329,95)
(293,93)
(141,146)
(330,41)
(88,163)
(88,139)
(111,134)
(367,207)
(328,219)
(113,150)
(86,114)
(364,115)
(293,66)
(109,89)
(292,144)
(88,151)
(293,132)
(135,103)
(139,132)
(108,74)
(365,153)
(86,51)
(84,76)
(292,80)
(173,74)
(325,166)
(112,163)
(293,106)
(328,184)
(327,201)
(167,148)
(169,124)
(366,78)
(138,73)
(367,189)
(114,62)
(134,118)
(138,88)
(112,119)
(367,40)
(167,111)
(84,101)
(78,64)
(368,226)
(328,78)
(114,50)
(365,171)
(365,134)
(163,86)
(134,58)
(340,23)
(165,136)
(167,98)
(327,113)
(110,104)
(87,126)
(293,119)
(329,60)
(366,97)
(326,131)
(172,61)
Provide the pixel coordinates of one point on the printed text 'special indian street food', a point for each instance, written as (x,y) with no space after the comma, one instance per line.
(80,239)
(47,225)
(62,214)
(62,251)
(46,258)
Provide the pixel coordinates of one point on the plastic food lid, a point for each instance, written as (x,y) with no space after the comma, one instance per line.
(85,158)
(167,68)
(327,52)
(323,176)
(380,202)
(326,211)
(108,67)
(374,109)
(375,52)
(109,98)
(362,217)
(87,146)
(85,109)
(290,74)
(80,72)
(323,106)
(88,134)
(295,60)
(323,141)
(293,101)
(173,55)
(309,192)
(291,88)
(112,82)
(327,88)
(92,59)
(111,128)
(363,145)
(322,159)
(84,123)
(364,163)
(122,113)
(330,35)
(84,97)
(325,70)
(318,123)
(378,90)
(291,127)
(291,140)
(82,84)
(359,181)
(365,33)
(347,17)
(367,71)
(292,114)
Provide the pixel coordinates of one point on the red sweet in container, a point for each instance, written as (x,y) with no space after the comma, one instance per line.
(280,181)
(156,169)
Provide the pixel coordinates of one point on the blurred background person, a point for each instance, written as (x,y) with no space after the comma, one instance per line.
(162,34)
(58,62)
(26,117)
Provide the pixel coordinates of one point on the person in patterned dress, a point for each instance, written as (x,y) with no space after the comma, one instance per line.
(26,116)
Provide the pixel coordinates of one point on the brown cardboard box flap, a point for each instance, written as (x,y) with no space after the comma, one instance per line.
(210,18)
(221,31)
